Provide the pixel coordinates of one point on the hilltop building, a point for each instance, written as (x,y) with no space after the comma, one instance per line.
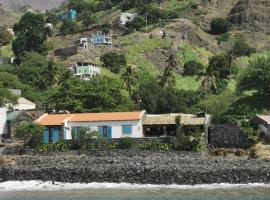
(86,70)
(101,38)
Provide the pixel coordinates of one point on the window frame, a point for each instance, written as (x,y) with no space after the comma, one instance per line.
(124,126)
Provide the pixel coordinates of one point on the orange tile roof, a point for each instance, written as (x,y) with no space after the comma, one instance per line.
(114,116)
(59,119)
(52,119)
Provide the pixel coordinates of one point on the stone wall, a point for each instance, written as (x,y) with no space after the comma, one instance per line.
(228,135)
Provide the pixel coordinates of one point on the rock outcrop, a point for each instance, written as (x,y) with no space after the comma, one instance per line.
(251,15)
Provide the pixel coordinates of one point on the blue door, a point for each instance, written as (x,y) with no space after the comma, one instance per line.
(46,136)
(109,134)
(55,135)
(100,131)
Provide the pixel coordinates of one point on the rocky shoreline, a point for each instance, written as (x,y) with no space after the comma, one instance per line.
(135,167)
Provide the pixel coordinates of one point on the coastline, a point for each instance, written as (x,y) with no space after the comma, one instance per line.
(168,168)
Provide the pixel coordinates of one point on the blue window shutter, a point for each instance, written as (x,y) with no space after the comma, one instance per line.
(127,129)
(55,135)
(46,136)
(109,135)
(100,131)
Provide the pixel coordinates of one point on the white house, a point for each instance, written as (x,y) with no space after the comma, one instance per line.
(109,125)
(86,70)
(3,120)
(127,17)
(22,103)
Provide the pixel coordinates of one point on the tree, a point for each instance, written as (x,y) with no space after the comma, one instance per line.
(52,18)
(86,134)
(38,72)
(168,78)
(220,25)
(165,100)
(100,94)
(215,79)
(30,132)
(114,61)
(6,96)
(31,34)
(136,23)
(129,77)
(68,27)
(193,68)
(256,77)
(241,48)
(88,19)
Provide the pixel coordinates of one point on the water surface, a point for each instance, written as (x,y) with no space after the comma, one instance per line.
(60,191)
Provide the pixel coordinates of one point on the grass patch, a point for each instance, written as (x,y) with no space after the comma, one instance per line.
(187,82)
(188,53)
(135,53)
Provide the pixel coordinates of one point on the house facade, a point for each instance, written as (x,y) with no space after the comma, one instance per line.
(101,38)
(3,120)
(86,70)
(61,127)
(263,123)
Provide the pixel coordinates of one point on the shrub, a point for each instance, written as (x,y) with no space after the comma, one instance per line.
(114,61)
(30,132)
(136,23)
(223,38)
(250,132)
(190,142)
(125,143)
(68,27)
(60,146)
(220,25)
(192,68)
(86,134)
(241,48)
(155,145)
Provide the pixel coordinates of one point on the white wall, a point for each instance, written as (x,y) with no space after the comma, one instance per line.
(137,130)
(24,107)
(263,129)
(3,119)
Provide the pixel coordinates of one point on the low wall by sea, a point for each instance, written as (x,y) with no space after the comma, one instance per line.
(184,168)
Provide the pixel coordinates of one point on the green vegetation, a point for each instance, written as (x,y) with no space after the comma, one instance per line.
(31,34)
(68,27)
(220,26)
(114,61)
(31,132)
(230,80)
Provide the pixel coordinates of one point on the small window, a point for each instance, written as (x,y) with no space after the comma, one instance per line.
(127,129)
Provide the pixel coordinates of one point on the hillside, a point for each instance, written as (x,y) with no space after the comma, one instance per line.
(178,62)
(41,5)
(8,17)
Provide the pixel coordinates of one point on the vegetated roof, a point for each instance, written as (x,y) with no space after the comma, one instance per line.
(59,119)
(171,119)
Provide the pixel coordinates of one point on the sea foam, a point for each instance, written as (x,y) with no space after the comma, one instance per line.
(57,186)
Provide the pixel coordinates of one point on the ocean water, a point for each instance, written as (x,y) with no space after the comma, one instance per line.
(35,190)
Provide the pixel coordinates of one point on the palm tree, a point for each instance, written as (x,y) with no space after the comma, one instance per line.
(130,77)
(168,78)
(52,74)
